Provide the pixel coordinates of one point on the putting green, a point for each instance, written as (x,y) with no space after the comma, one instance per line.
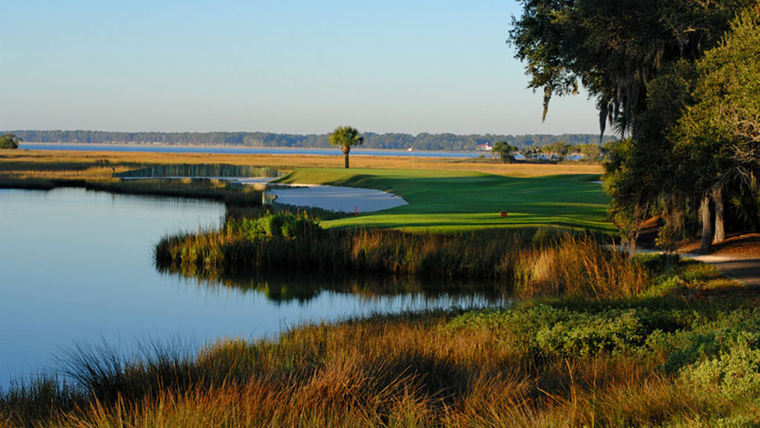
(463,200)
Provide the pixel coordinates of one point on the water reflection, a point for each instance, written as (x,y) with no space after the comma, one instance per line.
(302,288)
(78,267)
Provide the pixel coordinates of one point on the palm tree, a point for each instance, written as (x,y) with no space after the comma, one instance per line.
(346,137)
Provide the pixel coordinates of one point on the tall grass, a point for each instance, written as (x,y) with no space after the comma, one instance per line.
(240,200)
(523,263)
(434,369)
(232,194)
(56,164)
(199,170)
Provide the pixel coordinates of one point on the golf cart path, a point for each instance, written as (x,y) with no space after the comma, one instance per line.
(743,269)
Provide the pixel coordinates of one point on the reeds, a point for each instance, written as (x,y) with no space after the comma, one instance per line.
(566,265)
(404,370)
(89,165)
(232,194)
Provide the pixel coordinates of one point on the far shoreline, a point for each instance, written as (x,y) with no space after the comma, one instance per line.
(355,151)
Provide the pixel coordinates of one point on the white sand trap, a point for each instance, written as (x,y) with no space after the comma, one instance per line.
(335,198)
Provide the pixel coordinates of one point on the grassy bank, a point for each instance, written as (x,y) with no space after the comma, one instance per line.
(441,200)
(676,354)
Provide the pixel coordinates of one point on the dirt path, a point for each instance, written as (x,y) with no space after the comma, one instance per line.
(743,269)
(737,257)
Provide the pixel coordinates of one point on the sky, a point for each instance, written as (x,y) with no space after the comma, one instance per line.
(275,65)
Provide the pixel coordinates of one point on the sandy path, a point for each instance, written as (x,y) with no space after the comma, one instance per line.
(336,198)
(743,269)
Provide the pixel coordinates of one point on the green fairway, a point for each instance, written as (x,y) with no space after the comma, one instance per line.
(463,200)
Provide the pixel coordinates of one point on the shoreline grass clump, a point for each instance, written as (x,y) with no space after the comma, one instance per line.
(523,263)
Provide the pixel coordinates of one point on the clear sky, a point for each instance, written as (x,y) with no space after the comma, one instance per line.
(276,65)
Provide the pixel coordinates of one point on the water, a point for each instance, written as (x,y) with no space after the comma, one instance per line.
(76,267)
(246,150)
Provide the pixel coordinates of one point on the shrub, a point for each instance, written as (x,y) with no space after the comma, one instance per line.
(733,374)
(553,331)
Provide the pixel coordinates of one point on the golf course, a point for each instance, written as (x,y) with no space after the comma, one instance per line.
(526,213)
(451,201)
(589,336)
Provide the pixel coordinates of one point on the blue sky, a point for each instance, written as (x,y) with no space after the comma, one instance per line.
(276,65)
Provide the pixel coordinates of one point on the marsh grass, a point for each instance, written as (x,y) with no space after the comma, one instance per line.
(37,399)
(30,163)
(516,262)
(96,171)
(239,199)
(486,368)
(232,194)
(199,170)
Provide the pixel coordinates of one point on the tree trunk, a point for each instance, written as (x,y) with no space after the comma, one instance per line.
(707,231)
(632,246)
(720,230)
(346,149)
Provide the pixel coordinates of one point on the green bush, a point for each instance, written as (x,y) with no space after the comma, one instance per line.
(273,224)
(734,374)
(269,225)
(555,331)
(586,334)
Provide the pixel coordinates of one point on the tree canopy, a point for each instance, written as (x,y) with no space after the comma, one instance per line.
(720,131)
(642,62)
(505,151)
(9,141)
(398,141)
(613,48)
(724,122)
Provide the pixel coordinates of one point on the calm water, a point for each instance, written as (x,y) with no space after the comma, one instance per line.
(246,150)
(76,267)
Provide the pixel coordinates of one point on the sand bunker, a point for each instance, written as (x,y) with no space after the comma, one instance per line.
(336,198)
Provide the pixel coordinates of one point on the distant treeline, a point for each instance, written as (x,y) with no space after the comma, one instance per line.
(422,141)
